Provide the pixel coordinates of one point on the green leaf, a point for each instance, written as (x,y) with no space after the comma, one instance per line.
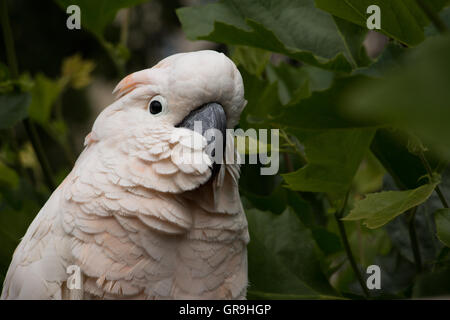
(402,20)
(254,60)
(96,15)
(414,97)
(13,108)
(377,209)
(283,257)
(321,110)
(442,219)
(262,98)
(354,36)
(369,177)
(293,83)
(333,159)
(43,96)
(289,27)
(389,147)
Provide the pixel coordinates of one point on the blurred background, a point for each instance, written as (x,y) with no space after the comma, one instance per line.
(359,112)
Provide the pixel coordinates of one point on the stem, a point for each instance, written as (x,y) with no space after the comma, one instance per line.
(430,173)
(433,16)
(338,215)
(29,127)
(413,238)
(441,197)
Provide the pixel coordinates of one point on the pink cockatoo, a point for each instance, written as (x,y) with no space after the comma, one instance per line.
(134,217)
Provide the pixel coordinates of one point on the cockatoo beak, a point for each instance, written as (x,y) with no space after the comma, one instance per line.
(211,116)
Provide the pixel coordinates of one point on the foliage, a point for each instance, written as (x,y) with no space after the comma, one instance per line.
(364,143)
(403,20)
(377,209)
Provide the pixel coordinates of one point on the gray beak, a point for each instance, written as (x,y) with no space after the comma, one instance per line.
(211,116)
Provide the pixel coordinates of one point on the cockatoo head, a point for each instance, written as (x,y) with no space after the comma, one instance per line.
(183,83)
(203,86)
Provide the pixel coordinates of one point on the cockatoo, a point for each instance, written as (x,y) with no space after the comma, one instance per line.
(134,217)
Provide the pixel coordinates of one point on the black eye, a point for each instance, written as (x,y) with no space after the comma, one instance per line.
(155,107)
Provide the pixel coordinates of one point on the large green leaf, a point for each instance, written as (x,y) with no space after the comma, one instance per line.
(402,20)
(377,209)
(413,97)
(96,15)
(13,108)
(442,219)
(283,257)
(333,158)
(295,28)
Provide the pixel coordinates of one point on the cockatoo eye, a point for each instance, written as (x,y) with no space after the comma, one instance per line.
(158,105)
